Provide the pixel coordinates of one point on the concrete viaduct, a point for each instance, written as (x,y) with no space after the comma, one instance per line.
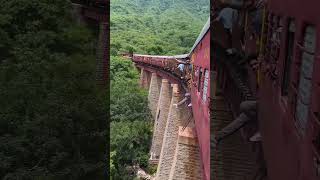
(175,148)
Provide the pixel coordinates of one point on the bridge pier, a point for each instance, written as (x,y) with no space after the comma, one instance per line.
(154,93)
(83,14)
(170,137)
(179,155)
(161,118)
(174,148)
(144,79)
(186,163)
(102,56)
(76,13)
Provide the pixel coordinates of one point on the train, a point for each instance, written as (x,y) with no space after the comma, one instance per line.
(167,63)
(198,85)
(200,93)
(282,39)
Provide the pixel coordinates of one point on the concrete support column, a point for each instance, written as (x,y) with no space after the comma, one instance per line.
(186,162)
(170,136)
(142,78)
(76,13)
(161,118)
(148,79)
(102,65)
(154,93)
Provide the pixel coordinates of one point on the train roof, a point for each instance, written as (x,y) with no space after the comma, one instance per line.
(204,31)
(182,56)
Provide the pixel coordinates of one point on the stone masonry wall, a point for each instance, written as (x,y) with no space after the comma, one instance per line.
(102,56)
(154,92)
(144,79)
(161,117)
(170,137)
(175,150)
(142,76)
(186,163)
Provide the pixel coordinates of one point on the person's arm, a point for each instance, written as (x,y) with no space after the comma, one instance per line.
(181,62)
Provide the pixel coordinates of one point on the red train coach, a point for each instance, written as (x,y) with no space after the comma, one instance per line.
(287,84)
(289,107)
(200,94)
(162,62)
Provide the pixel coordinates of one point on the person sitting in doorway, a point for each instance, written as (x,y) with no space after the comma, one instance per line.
(181,66)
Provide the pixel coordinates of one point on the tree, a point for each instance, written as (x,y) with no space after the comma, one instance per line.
(130,119)
(52,116)
(158,27)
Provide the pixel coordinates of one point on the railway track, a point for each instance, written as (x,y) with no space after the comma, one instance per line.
(233,159)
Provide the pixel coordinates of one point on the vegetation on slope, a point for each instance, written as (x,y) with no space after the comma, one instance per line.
(130,120)
(52,116)
(161,27)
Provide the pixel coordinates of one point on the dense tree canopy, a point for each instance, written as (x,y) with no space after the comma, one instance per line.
(159,27)
(52,115)
(130,119)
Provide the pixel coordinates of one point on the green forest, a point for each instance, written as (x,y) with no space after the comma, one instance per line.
(161,27)
(52,114)
(158,27)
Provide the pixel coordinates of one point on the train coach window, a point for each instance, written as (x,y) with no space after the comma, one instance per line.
(205,85)
(305,79)
(199,79)
(289,58)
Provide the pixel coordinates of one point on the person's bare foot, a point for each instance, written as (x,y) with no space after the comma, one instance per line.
(256,137)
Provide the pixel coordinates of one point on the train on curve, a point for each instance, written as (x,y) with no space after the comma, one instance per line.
(196,80)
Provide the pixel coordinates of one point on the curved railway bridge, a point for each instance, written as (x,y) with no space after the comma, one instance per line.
(180,147)
(179,104)
(175,148)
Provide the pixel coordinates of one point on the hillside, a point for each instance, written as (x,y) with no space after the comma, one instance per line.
(52,114)
(163,27)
